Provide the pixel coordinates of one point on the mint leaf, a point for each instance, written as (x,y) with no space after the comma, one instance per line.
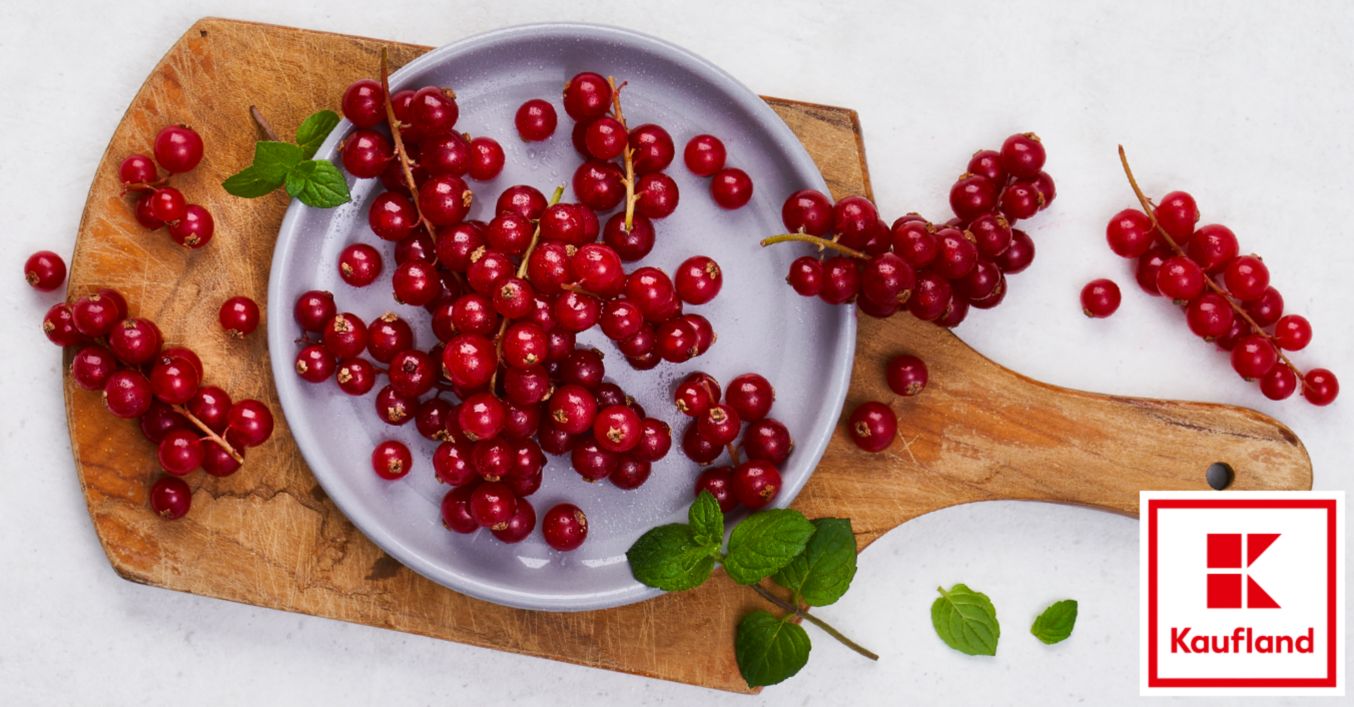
(822,573)
(765,542)
(769,649)
(318,183)
(275,160)
(249,183)
(966,620)
(313,130)
(670,558)
(1055,624)
(707,521)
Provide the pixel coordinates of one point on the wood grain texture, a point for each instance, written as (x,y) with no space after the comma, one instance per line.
(269,536)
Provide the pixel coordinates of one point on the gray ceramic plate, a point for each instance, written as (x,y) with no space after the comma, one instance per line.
(804,347)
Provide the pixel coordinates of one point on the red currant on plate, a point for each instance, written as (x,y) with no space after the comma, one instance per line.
(565,527)
(1100,298)
(536,121)
(755,483)
(391,459)
(731,188)
(704,155)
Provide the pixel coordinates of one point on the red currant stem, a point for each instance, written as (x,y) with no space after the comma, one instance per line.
(262,122)
(804,614)
(629,153)
(733,454)
(145,186)
(571,287)
(1208,279)
(536,234)
(815,240)
(211,434)
(401,153)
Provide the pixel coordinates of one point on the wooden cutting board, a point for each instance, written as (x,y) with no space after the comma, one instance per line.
(268,535)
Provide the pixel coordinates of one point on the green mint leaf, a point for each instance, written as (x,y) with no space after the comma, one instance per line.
(822,573)
(966,621)
(670,558)
(249,183)
(273,161)
(1055,624)
(765,542)
(318,183)
(769,649)
(314,130)
(707,521)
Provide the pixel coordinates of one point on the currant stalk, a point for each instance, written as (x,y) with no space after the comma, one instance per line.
(629,154)
(400,151)
(815,240)
(208,432)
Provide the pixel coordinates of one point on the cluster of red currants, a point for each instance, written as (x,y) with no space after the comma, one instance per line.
(178,149)
(936,272)
(506,383)
(753,479)
(874,425)
(730,187)
(1227,297)
(193,425)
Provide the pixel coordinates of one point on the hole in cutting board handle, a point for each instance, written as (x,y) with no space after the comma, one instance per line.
(1219,475)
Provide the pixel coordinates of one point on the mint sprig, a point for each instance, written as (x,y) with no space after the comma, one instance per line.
(814,560)
(277,164)
(1055,624)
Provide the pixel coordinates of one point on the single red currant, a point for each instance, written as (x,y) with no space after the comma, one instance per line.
(750,395)
(519,525)
(1180,279)
(249,424)
(565,527)
(359,264)
(755,483)
(873,425)
(1212,247)
(718,482)
(364,103)
(1280,383)
(391,460)
(239,316)
(137,170)
(135,341)
(170,497)
(314,309)
(1209,316)
(194,229)
(653,148)
(1130,233)
(1246,278)
(1253,356)
(365,153)
(587,95)
(1320,387)
(445,199)
(1177,213)
(536,121)
(492,505)
(1293,332)
(731,188)
(178,148)
(45,271)
(1100,298)
(91,367)
(127,394)
(179,452)
(1022,155)
(906,374)
(769,440)
(486,160)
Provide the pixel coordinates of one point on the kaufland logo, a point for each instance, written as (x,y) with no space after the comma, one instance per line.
(1242,593)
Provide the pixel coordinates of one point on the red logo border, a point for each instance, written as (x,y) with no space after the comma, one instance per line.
(1153,505)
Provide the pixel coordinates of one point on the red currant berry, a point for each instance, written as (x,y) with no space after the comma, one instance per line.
(906,375)
(492,505)
(958,255)
(519,526)
(655,440)
(605,138)
(445,199)
(699,449)
(1177,213)
(392,216)
(1100,298)
(314,309)
(807,211)
(656,196)
(695,394)
(448,154)
(170,497)
(1022,155)
(704,155)
(1019,256)
(1246,278)
(523,199)
(456,510)
(597,269)
(135,341)
(750,395)
(768,440)
(1267,308)
(179,452)
(587,95)
(1293,332)
(481,416)
(387,336)
(96,315)
(194,229)
(392,408)
(1280,383)
(565,527)
(416,283)
(366,153)
(127,394)
(617,428)
(486,159)
(345,336)
(873,426)
(719,425)
(433,111)
(1149,265)
(1320,387)
(211,406)
(314,364)
(143,213)
(412,373)
(1180,279)
(731,188)
(931,297)
(364,103)
(1021,201)
(959,308)
(1046,188)
(1212,247)
(138,170)
(698,280)
(391,460)
(239,316)
(718,482)
(359,264)
(755,483)
(599,185)
(536,120)
(653,148)
(841,280)
(452,464)
(217,461)
(1130,233)
(174,380)
(632,243)
(1253,356)
(806,276)
(988,164)
(915,241)
(572,408)
(1239,328)
(178,148)
(991,233)
(91,367)
(591,461)
(45,271)
(973,195)
(249,424)
(1209,316)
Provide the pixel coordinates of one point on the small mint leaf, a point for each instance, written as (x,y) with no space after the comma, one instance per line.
(249,183)
(314,130)
(765,542)
(1057,621)
(318,183)
(273,161)
(966,621)
(823,572)
(769,649)
(707,521)
(669,558)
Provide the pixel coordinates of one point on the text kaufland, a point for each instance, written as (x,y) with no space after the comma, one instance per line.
(1242,640)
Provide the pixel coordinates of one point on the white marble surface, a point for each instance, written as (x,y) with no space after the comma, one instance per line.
(1245,104)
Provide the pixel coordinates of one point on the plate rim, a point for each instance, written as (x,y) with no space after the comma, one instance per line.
(279,321)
